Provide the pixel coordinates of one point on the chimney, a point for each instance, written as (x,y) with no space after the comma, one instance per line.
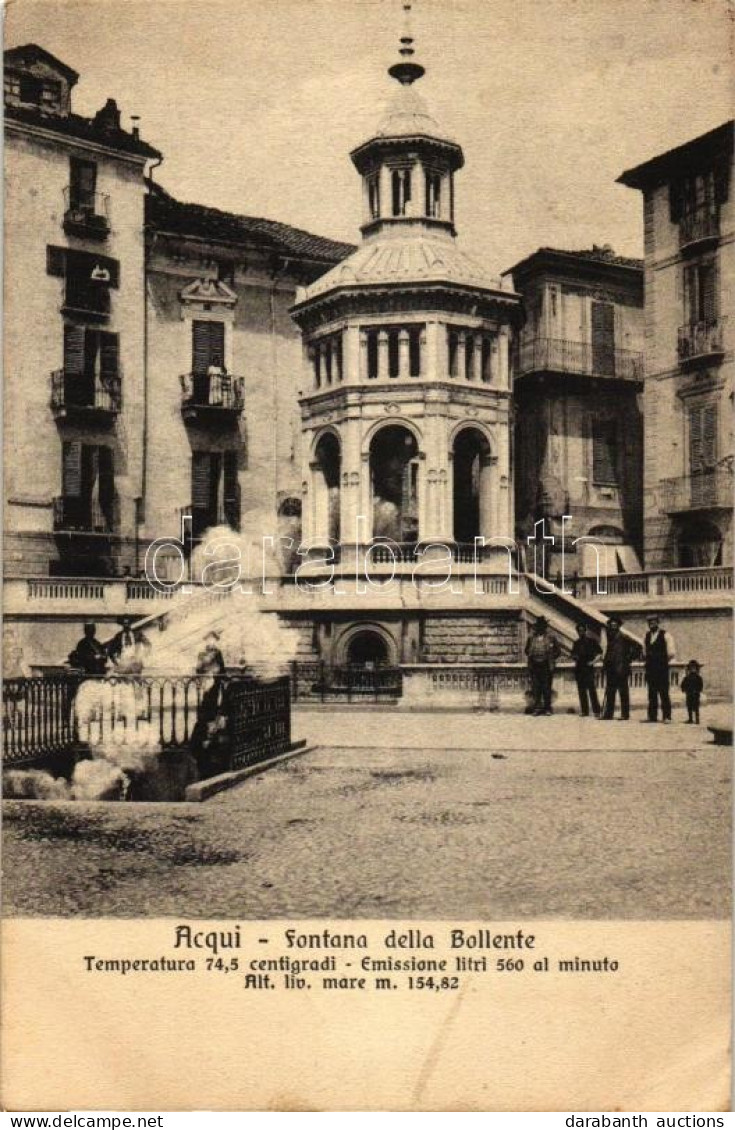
(135,129)
(108,118)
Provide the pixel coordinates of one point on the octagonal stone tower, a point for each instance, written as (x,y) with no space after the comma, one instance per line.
(406,405)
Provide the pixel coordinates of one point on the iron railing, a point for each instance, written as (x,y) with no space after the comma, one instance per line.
(703,491)
(86,214)
(212,390)
(698,226)
(73,392)
(345,682)
(55,714)
(548,354)
(85,515)
(701,339)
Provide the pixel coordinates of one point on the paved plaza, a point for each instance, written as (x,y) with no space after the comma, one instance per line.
(396,815)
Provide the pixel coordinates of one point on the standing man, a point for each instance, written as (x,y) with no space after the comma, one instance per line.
(542,650)
(659,654)
(123,641)
(617,660)
(585,650)
(89,655)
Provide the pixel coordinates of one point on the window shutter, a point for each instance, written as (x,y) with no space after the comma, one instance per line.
(71,476)
(709,436)
(231,490)
(696,441)
(201,478)
(106,476)
(200,348)
(109,355)
(690,294)
(217,343)
(56,261)
(708,283)
(605,453)
(73,349)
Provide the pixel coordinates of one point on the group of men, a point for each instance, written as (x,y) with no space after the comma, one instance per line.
(125,651)
(543,651)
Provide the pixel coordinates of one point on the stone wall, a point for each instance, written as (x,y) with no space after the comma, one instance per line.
(489,638)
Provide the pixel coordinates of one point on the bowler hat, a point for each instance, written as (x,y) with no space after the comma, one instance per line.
(615,620)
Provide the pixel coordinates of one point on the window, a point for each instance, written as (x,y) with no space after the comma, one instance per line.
(50,95)
(373,187)
(88,487)
(433,194)
(702,438)
(82,185)
(453,341)
(214,490)
(11,85)
(208,347)
(88,280)
(90,353)
(401,191)
(603,338)
(372,355)
(403,352)
(469,356)
(700,292)
(605,453)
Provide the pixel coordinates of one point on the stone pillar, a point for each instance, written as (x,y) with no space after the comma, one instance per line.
(383,355)
(362,370)
(431,353)
(488,476)
(477,358)
(386,195)
(404,354)
(350,482)
(461,350)
(319,531)
(351,355)
(504,357)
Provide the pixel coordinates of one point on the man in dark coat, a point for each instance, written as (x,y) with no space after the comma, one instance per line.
(124,639)
(89,655)
(619,655)
(585,650)
(659,654)
(542,651)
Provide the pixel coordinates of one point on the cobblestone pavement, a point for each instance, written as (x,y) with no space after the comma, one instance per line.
(407,815)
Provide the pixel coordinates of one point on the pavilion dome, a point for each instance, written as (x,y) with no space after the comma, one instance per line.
(408,116)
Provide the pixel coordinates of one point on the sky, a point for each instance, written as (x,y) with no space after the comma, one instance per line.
(256,104)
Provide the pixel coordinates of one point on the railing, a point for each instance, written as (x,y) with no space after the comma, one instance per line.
(701,339)
(72,392)
(212,390)
(345,682)
(695,227)
(697,492)
(81,515)
(558,355)
(87,216)
(56,714)
(712,579)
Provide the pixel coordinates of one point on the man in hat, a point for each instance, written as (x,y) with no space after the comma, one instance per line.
(542,651)
(123,641)
(659,654)
(618,657)
(89,655)
(585,650)
(692,684)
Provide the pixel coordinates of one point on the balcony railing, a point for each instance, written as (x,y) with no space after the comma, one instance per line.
(80,395)
(91,299)
(700,226)
(205,518)
(211,396)
(87,217)
(701,340)
(84,515)
(548,354)
(705,491)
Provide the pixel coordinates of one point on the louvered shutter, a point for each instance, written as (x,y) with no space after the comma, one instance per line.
(200,348)
(231,490)
(217,344)
(709,436)
(708,298)
(201,477)
(109,355)
(106,485)
(73,349)
(71,480)
(604,453)
(690,294)
(696,441)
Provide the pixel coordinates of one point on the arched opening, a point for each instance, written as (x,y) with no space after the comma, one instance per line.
(326,467)
(472,499)
(367,649)
(394,471)
(699,544)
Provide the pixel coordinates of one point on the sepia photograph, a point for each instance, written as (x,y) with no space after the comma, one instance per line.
(368,460)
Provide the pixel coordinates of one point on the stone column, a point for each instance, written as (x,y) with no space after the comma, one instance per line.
(404,354)
(351,355)
(477,358)
(461,349)
(350,483)
(386,195)
(383,355)
(488,476)
(504,357)
(431,353)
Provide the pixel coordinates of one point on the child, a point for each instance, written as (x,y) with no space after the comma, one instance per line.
(692,685)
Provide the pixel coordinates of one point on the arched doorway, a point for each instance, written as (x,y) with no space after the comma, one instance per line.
(394,470)
(367,649)
(326,474)
(472,469)
(699,544)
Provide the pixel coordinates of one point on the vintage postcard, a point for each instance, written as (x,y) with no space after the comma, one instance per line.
(368,566)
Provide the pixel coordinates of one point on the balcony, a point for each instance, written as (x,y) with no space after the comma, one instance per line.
(701,341)
(213,398)
(708,490)
(87,217)
(556,355)
(205,518)
(89,300)
(699,229)
(82,398)
(75,515)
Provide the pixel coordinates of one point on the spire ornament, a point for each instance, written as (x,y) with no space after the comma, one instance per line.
(406,71)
